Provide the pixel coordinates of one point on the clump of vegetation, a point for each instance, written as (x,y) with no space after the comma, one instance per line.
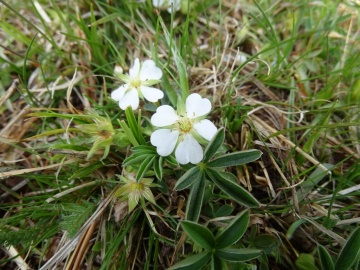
(179,135)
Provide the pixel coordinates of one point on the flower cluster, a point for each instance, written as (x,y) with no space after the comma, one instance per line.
(182,131)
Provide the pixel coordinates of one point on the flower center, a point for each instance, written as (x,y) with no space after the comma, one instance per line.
(136,187)
(136,83)
(185,125)
(105,134)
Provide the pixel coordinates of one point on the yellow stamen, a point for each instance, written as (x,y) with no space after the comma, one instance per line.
(185,125)
(136,83)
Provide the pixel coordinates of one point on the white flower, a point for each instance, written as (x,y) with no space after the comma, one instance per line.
(168,4)
(182,129)
(137,83)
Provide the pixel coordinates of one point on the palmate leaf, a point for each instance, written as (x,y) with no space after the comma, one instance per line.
(214,144)
(195,199)
(350,252)
(232,189)
(233,232)
(235,159)
(192,262)
(199,234)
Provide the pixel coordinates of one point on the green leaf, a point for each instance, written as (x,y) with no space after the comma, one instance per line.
(144,167)
(224,211)
(68,146)
(134,126)
(192,262)
(266,243)
(312,181)
(233,232)
(232,189)
(306,262)
(214,145)
(326,261)
(74,215)
(52,132)
(199,234)
(85,171)
(171,160)
(135,159)
(238,255)
(169,90)
(195,199)
(293,227)
(215,263)
(349,252)
(129,133)
(180,106)
(142,148)
(188,178)
(236,158)
(158,167)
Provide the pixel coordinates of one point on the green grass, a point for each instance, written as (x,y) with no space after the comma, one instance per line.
(296,98)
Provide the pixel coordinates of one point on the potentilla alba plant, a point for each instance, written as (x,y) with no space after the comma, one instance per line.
(183,129)
(137,85)
(167,4)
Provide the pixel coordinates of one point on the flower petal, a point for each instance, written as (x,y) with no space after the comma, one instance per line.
(164,140)
(165,116)
(158,3)
(131,98)
(197,106)
(151,94)
(206,129)
(177,5)
(118,93)
(134,71)
(189,150)
(149,71)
